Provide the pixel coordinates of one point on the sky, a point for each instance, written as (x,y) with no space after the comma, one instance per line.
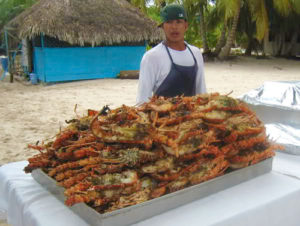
(151,2)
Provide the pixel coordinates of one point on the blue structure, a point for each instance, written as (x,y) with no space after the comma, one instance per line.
(89,40)
(77,63)
(4,64)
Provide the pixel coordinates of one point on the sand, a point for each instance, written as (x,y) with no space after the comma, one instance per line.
(31,113)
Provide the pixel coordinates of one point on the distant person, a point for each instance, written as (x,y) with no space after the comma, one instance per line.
(173,67)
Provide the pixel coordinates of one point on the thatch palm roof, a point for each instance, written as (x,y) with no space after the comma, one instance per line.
(86,21)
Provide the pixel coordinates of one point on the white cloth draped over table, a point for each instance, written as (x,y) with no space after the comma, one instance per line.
(287,164)
(272,199)
(27,203)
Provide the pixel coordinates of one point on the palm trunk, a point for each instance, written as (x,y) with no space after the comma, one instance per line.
(231,37)
(289,51)
(278,43)
(203,30)
(250,46)
(221,41)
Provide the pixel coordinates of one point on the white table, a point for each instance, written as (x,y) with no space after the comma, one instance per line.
(287,164)
(268,200)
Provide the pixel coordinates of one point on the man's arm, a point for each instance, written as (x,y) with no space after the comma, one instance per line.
(200,79)
(146,80)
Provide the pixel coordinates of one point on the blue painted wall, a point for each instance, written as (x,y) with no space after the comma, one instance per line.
(66,64)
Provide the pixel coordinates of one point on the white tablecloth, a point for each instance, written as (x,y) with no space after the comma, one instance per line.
(268,200)
(287,164)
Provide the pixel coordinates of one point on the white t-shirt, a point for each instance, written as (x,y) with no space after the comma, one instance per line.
(156,65)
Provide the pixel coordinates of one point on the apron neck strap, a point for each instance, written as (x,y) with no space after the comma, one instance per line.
(165,44)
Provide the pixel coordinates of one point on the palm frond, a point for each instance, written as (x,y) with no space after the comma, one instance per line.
(229,7)
(260,15)
(283,7)
(296,6)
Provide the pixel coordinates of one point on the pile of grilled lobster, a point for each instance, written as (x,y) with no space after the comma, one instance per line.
(111,159)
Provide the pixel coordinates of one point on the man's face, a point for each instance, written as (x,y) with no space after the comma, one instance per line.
(175,30)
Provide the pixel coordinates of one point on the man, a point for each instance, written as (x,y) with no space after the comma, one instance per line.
(173,67)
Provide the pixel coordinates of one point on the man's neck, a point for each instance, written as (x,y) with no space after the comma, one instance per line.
(180,46)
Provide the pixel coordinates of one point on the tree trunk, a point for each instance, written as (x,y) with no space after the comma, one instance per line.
(278,43)
(250,46)
(225,51)
(289,51)
(203,30)
(221,41)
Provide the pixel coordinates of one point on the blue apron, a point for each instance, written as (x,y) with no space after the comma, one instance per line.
(180,80)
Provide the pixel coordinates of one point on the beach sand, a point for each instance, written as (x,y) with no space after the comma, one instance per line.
(31,113)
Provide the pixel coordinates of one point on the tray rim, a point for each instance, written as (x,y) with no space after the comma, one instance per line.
(93,217)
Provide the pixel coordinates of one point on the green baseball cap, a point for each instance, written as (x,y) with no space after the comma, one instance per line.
(172,12)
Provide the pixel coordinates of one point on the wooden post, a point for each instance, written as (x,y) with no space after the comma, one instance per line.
(29,54)
(42,40)
(8,56)
(43,45)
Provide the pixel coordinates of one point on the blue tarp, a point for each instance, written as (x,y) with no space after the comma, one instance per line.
(4,64)
(78,63)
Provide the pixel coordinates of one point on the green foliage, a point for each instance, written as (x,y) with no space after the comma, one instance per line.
(278,22)
(153,13)
(296,6)
(192,36)
(140,4)
(228,8)
(11,8)
(148,47)
(242,39)
(256,18)
(212,38)
(193,33)
(284,7)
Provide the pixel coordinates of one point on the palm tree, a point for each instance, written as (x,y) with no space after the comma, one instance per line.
(284,32)
(247,30)
(222,41)
(194,8)
(232,11)
(217,26)
(258,10)
(253,23)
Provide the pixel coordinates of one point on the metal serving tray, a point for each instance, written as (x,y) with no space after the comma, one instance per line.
(273,114)
(133,214)
(282,124)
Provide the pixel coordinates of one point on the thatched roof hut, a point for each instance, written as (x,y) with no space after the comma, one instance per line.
(81,22)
